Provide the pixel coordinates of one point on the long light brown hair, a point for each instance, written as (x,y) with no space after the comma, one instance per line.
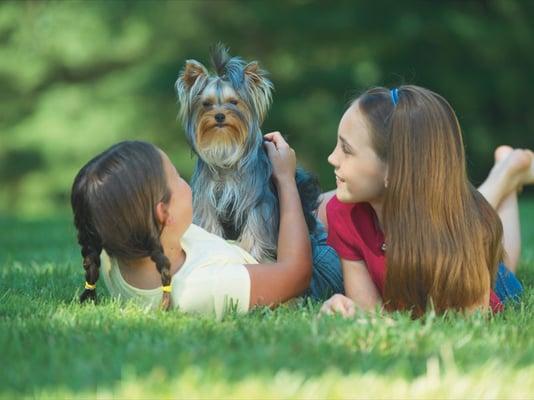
(443,238)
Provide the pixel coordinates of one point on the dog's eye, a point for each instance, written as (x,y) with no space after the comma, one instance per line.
(234,102)
(206,103)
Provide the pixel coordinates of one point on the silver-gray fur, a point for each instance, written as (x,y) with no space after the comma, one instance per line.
(233,195)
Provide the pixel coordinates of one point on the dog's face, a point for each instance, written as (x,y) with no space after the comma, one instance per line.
(222,120)
(222,113)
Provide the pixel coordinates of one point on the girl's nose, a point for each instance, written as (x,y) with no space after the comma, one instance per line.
(332,159)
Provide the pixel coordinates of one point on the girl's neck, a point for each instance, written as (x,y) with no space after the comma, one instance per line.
(377,207)
(143,274)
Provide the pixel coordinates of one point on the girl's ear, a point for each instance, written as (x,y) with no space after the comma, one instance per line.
(386,179)
(162,213)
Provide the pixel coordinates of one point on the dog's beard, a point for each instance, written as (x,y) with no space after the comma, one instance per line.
(221,156)
(221,147)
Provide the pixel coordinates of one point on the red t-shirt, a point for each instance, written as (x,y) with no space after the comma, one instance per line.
(354,233)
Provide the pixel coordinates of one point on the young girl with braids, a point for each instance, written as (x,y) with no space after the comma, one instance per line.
(131,202)
(410,229)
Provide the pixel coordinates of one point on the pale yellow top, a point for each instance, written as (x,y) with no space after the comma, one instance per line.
(212,278)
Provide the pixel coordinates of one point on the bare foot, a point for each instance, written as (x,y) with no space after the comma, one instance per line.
(529,177)
(501,152)
(515,166)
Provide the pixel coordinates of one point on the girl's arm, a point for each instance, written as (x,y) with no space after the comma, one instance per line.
(361,292)
(359,286)
(272,284)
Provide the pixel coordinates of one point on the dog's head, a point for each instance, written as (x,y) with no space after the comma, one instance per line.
(222,113)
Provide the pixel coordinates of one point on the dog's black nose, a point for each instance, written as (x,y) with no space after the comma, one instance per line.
(219,117)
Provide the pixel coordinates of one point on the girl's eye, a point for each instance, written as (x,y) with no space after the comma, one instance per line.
(206,103)
(345,150)
(234,102)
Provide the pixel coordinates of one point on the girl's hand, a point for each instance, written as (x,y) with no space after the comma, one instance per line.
(283,158)
(339,304)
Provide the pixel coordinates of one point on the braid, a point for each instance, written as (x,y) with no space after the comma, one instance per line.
(91,264)
(91,249)
(88,238)
(164,268)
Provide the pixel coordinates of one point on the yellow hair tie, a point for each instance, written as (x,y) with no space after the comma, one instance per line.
(89,286)
(166,289)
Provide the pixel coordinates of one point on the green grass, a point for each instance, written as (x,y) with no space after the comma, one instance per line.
(52,347)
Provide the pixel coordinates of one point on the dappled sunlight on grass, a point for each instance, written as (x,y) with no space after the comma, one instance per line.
(55,347)
(440,380)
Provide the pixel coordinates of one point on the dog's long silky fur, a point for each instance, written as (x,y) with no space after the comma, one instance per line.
(236,199)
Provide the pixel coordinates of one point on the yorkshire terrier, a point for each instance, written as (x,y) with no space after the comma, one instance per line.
(233,194)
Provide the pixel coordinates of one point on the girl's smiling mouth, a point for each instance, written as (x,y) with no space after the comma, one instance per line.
(339,179)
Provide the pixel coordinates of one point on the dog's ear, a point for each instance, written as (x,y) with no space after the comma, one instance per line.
(191,72)
(260,87)
(254,73)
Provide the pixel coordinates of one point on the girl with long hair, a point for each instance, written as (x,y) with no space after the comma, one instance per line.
(410,229)
(131,203)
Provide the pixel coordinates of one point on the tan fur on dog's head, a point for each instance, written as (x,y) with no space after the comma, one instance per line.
(222,113)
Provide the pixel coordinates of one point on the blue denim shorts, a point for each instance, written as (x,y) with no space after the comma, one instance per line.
(327,277)
(507,286)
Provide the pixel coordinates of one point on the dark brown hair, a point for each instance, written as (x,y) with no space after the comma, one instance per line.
(443,238)
(114,198)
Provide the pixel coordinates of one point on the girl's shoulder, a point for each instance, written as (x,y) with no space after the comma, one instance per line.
(336,211)
(352,228)
(204,248)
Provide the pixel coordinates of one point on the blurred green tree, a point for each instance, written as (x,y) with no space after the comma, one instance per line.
(77,76)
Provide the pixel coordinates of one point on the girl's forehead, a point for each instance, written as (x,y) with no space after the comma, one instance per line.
(164,156)
(353,127)
(167,163)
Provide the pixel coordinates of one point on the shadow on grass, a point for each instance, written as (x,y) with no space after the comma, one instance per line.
(48,341)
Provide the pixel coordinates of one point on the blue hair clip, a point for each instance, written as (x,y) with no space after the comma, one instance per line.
(394,96)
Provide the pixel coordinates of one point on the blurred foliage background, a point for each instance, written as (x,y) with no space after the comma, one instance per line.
(76,77)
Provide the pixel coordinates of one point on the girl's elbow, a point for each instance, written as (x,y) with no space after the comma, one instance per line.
(306,275)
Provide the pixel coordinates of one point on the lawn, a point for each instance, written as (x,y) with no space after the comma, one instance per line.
(52,347)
